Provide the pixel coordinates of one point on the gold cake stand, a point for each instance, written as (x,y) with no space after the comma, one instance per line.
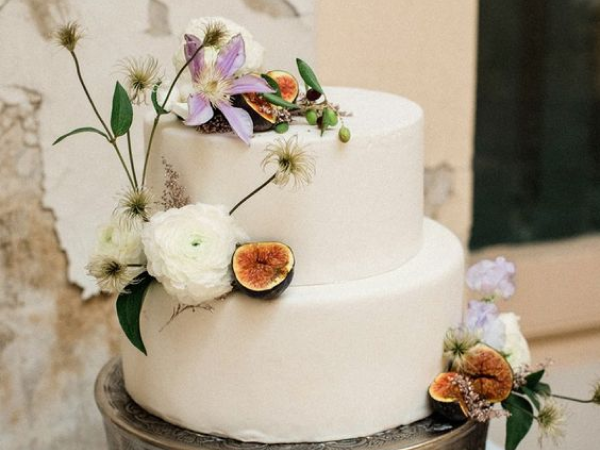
(129,427)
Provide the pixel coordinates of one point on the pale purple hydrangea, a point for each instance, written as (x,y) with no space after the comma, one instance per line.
(483,319)
(493,279)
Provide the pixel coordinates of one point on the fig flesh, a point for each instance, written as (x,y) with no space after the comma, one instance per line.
(263,114)
(263,269)
(447,398)
(288,85)
(490,373)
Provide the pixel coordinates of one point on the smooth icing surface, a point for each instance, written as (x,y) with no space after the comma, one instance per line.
(319,363)
(362,214)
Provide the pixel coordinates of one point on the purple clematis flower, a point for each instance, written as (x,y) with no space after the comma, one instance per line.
(214,83)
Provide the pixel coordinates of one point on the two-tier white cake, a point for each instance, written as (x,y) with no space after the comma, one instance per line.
(351,347)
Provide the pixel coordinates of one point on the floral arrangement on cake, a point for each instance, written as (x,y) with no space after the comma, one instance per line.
(489,364)
(197,251)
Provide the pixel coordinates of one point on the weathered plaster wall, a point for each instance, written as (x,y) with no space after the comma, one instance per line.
(52,344)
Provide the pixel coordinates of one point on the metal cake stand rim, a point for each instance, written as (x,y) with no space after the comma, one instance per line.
(110,412)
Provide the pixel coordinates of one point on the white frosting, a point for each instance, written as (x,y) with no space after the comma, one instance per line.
(361,216)
(319,363)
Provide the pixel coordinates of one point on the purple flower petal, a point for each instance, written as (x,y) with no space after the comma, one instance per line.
(200,110)
(249,83)
(240,121)
(232,56)
(192,43)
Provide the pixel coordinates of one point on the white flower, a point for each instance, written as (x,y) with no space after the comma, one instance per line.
(121,239)
(178,99)
(492,278)
(197,27)
(189,251)
(515,346)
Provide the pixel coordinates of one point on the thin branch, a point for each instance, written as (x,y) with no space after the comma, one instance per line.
(247,197)
(157,118)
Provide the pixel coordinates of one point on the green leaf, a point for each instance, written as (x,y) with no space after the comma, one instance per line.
(159,109)
(274,85)
(531,395)
(122,111)
(534,378)
(520,421)
(543,389)
(308,75)
(278,101)
(80,130)
(129,307)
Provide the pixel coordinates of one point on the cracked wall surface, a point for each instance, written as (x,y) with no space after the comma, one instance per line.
(52,199)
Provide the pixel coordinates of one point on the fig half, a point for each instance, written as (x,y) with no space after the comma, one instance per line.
(262,113)
(288,85)
(489,371)
(447,398)
(263,269)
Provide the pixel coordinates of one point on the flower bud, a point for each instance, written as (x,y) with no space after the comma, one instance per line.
(282,127)
(330,117)
(312,95)
(311,117)
(344,134)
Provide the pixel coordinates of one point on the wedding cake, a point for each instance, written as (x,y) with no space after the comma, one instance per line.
(351,347)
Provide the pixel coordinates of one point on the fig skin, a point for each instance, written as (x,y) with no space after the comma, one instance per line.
(271,263)
(446,398)
(491,375)
(288,85)
(262,113)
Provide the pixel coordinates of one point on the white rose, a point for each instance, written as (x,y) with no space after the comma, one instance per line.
(189,251)
(515,346)
(254,51)
(121,239)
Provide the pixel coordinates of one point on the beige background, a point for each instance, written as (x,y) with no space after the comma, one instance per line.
(52,344)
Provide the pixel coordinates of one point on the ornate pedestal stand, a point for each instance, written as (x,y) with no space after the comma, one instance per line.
(129,427)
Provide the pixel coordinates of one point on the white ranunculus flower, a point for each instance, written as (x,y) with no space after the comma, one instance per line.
(121,239)
(254,51)
(515,346)
(189,251)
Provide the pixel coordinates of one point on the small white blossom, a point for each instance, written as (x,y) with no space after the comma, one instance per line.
(121,239)
(189,251)
(515,346)
(197,27)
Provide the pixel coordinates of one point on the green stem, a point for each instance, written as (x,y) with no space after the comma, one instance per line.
(247,197)
(111,138)
(578,400)
(131,159)
(157,118)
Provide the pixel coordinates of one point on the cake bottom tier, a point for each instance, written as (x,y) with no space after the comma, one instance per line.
(319,363)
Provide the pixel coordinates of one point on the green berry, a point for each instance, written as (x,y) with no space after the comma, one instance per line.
(344,134)
(282,127)
(311,117)
(330,117)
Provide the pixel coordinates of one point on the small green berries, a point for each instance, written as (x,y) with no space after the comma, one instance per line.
(344,134)
(330,117)
(282,127)
(311,117)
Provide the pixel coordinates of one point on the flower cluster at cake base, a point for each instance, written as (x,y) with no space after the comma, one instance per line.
(489,364)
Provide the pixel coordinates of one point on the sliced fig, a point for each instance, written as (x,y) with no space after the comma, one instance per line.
(288,85)
(263,269)
(489,372)
(447,398)
(263,114)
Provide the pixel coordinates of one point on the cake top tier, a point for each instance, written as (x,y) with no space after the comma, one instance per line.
(362,213)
